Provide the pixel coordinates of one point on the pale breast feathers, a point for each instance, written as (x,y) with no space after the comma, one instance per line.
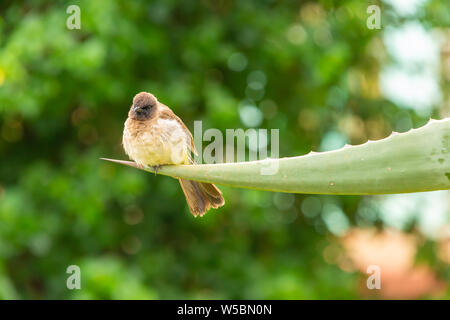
(163,141)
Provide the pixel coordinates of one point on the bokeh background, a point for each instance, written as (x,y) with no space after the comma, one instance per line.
(311,69)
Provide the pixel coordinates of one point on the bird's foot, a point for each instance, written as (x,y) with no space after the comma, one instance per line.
(156,168)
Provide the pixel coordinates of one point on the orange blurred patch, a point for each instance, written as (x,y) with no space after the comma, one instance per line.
(444,250)
(394,253)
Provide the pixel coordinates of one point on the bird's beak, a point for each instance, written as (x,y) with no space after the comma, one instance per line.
(136,109)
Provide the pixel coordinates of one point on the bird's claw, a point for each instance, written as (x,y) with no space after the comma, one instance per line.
(156,168)
(145,167)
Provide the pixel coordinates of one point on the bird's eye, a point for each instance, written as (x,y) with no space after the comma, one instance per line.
(146,108)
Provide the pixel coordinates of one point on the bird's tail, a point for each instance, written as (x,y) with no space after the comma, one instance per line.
(201,196)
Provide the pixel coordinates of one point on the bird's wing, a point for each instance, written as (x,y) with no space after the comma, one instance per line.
(166,113)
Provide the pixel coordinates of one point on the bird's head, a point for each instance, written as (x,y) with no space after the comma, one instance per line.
(144,106)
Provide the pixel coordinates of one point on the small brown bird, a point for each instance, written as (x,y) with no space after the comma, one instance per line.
(155,136)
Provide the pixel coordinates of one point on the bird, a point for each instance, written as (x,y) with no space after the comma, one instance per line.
(154,136)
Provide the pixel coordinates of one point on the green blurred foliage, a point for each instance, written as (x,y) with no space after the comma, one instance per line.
(64,95)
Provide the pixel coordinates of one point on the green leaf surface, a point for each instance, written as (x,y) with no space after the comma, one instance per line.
(414,161)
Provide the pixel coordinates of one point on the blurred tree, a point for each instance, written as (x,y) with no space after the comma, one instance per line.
(309,69)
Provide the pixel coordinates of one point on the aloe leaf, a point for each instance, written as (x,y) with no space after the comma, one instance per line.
(414,161)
